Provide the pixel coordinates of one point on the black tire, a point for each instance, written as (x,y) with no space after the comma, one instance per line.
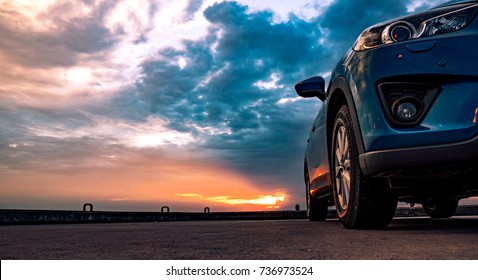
(361,202)
(316,208)
(440,208)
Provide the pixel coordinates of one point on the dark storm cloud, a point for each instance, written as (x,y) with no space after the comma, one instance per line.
(348,18)
(284,46)
(58,47)
(345,20)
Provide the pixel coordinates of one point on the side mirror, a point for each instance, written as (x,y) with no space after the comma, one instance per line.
(312,87)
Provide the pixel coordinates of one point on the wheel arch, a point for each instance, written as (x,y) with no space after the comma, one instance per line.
(340,94)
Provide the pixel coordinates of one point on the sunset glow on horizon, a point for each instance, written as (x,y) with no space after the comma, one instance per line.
(127,181)
(132,105)
(266,200)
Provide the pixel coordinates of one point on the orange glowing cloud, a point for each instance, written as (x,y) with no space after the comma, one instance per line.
(266,200)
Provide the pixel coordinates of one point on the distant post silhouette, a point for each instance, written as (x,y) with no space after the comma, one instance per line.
(165,208)
(88,205)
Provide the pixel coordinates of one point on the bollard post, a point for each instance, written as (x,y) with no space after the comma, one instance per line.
(165,208)
(207,210)
(88,205)
(297,207)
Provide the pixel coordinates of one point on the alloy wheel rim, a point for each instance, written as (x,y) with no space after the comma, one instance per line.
(342,168)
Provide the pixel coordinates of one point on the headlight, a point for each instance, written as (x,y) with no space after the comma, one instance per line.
(398,32)
(430,23)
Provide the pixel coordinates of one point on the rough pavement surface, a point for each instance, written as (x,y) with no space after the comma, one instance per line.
(405,238)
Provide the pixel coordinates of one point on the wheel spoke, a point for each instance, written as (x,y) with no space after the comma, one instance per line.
(339,144)
(338,156)
(346,190)
(343,136)
(345,151)
(338,169)
(338,183)
(346,176)
(339,192)
(347,164)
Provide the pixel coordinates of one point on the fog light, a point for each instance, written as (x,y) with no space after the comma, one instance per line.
(407,109)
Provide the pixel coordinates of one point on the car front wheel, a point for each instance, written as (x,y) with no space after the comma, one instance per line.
(361,202)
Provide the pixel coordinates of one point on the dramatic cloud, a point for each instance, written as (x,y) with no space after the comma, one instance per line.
(192,8)
(129,103)
(46,41)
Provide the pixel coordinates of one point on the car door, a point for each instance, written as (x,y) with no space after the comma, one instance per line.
(317,155)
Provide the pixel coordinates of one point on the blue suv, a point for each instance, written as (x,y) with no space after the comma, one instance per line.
(399,120)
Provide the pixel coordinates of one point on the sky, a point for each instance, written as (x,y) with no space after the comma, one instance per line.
(132,105)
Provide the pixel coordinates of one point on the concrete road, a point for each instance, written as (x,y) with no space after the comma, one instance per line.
(406,238)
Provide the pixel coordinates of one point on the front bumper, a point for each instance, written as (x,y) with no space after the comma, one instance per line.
(406,161)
